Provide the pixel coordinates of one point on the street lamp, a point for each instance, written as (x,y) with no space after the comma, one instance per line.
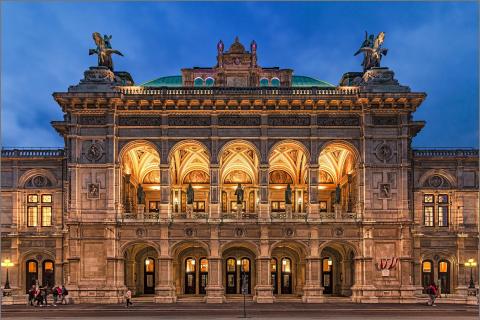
(7,264)
(469,264)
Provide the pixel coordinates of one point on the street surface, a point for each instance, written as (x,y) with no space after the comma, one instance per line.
(235,310)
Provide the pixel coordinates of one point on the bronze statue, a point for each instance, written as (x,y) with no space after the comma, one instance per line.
(338,194)
(140,195)
(239,193)
(190,194)
(372,50)
(104,50)
(288,195)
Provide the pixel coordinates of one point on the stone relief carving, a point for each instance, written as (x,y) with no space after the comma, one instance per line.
(385,121)
(339,232)
(189,232)
(139,121)
(93,191)
(189,121)
(239,232)
(92,120)
(437,181)
(289,232)
(140,232)
(38,182)
(291,120)
(384,191)
(94,152)
(338,121)
(384,152)
(239,121)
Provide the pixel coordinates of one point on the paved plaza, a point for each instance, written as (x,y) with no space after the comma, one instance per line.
(254,311)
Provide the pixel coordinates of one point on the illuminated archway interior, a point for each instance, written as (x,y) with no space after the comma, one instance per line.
(239,165)
(189,164)
(337,169)
(288,165)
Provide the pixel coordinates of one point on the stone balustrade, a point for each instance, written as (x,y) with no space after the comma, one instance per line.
(444,153)
(32,153)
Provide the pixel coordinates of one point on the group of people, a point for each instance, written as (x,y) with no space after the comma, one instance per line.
(433,293)
(38,296)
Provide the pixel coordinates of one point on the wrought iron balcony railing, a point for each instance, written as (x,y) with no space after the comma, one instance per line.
(445,153)
(32,153)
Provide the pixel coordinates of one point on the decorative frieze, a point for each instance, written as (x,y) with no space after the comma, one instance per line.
(139,121)
(184,121)
(338,121)
(385,120)
(289,120)
(92,120)
(239,121)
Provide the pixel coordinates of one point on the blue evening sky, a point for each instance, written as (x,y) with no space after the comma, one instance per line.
(433,47)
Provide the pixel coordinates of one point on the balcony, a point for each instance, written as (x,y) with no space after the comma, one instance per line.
(32,153)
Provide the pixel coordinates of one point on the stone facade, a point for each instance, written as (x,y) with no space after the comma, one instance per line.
(359,220)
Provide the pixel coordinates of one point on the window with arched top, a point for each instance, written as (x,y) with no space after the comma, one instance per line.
(198,82)
(209,82)
(264,82)
(202,287)
(275,82)
(444,276)
(286,276)
(427,274)
(274,275)
(48,273)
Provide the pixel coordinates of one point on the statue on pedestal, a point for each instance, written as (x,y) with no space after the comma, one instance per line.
(239,193)
(104,50)
(288,195)
(140,195)
(190,194)
(372,50)
(338,194)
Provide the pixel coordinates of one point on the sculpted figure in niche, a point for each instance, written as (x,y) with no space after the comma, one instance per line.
(338,194)
(239,193)
(140,195)
(288,195)
(190,194)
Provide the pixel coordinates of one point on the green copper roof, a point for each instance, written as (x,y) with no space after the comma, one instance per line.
(176,81)
(303,81)
(170,81)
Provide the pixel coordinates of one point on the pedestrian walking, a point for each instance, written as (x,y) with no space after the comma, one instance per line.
(432,292)
(55,295)
(31,295)
(64,295)
(128,297)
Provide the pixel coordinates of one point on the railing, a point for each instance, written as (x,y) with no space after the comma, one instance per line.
(135,90)
(284,216)
(448,153)
(31,153)
(338,216)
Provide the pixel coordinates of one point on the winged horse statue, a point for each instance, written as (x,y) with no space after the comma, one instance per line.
(372,50)
(104,50)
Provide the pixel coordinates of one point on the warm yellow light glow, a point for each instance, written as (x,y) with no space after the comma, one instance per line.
(278,187)
(193,262)
(175,200)
(238,262)
(7,263)
(284,262)
(330,262)
(147,262)
(470,263)
(197,187)
(155,187)
(322,187)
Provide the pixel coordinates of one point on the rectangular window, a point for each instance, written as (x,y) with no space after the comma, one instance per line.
(428,216)
(46,216)
(46,198)
(153,206)
(32,216)
(428,198)
(442,216)
(32,198)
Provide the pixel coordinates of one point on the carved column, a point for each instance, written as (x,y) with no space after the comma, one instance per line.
(313,207)
(165,282)
(215,193)
(264,288)
(264,203)
(313,290)
(164,191)
(215,290)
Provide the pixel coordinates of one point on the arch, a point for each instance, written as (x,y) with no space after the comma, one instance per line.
(185,157)
(244,244)
(238,141)
(300,248)
(335,244)
(275,82)
(198,82)
(341,143)
(264,82)
(181,144)
(135,144)
(438,172)
(176,249)
(209,82)
(37,172)
(290,141)
(130,244)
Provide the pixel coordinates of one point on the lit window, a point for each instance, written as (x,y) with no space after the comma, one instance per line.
(245,265)
(149,265)
(46,198)
(46,216)
(443,216)
(443,267)
(190,265)
(209,82)
(198,82)
(32,267)
(427,266)
(48,266)
(32,216)
(204,265)
(263,82)
(428,198)
(442,198)
(286,265)
(428,216)
(327,264)
(231,265)
(32,198)
(273,265)
(275,82)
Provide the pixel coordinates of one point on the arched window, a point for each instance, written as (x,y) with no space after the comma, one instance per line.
(231,275)
(444,276)
(264,82)
(209,82)
(149,276)
(245,275)
(327,271)
(427,274)
(198,82)
(203,275)
(31,275)
(274,275)
(48,271)
(190,282)
(275,82)
(286,276)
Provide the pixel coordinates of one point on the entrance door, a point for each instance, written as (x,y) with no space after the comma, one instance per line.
(149,276)
(286,276)
(231,281)
(427,274)
(274,275)
(31,274)
(190,276)
(245,275)
(444,276)
(203,276)
(327,275)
